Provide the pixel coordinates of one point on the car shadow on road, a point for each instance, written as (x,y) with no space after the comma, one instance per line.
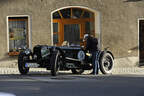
(40,74)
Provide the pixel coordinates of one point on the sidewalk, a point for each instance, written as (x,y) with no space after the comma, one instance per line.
(128,70)
(134,70)
(16,71)
(126,65)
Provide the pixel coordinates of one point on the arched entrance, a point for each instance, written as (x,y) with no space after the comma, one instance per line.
(71,23)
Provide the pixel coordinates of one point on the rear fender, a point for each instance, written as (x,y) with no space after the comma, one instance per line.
(110,53)
(107,52)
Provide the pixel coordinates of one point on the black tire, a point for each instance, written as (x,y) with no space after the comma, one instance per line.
(55,63)
(77,71)
(21,63)
(106,63)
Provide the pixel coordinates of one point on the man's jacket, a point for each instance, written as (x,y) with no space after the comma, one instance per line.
(91,44)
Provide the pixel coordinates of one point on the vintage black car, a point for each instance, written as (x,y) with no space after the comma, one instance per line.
(53,58)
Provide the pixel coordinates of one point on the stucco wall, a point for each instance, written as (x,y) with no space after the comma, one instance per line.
(118,21)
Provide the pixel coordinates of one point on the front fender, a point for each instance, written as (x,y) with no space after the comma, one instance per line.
(60,50)
(102,52)
(111,54)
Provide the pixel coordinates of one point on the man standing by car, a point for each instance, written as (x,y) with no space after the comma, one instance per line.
(91,46)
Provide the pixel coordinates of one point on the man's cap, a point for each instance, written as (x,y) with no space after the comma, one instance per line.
(85,36)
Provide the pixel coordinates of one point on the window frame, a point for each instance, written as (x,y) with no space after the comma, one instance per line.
(29,31)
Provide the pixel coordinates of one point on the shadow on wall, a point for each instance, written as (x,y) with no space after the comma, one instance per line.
(133,0)
(3,2)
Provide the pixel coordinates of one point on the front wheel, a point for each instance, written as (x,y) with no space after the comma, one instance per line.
(55,63)
(106,62)
(21,63)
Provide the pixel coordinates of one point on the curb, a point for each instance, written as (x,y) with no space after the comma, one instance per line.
(129,70)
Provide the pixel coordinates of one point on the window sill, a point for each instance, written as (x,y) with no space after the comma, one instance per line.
(14,53)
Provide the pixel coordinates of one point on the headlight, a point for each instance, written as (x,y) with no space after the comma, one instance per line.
(81,55)
(27,51)
(45,51)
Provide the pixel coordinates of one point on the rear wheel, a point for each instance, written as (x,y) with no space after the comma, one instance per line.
(21,63)
(55,62)
(106,63)
(77,71)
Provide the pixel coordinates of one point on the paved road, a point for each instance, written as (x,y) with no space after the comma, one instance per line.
(72,85)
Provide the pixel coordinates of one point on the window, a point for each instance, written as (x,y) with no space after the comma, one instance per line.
(66,13)
(89,27)
(55,33)
(76,13)
(56,15)
(18,34)
(72,33)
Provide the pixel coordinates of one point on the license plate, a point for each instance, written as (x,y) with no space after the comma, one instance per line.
(32,65)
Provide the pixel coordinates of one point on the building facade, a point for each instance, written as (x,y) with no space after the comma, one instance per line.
(118,24)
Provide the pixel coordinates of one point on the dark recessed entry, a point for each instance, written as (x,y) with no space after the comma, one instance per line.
(141,42)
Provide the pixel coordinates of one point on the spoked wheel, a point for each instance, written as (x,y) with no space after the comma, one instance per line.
(77,71)
(21,63)
(106,63)
(55,62)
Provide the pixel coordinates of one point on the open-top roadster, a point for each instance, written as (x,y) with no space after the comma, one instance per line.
(73,58)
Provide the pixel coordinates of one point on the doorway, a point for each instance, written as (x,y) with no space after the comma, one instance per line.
(70,24)
(141,42)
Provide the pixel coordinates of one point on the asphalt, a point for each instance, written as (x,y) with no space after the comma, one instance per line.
(72,85)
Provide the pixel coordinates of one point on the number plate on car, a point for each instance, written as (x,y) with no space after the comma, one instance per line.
(32,65)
